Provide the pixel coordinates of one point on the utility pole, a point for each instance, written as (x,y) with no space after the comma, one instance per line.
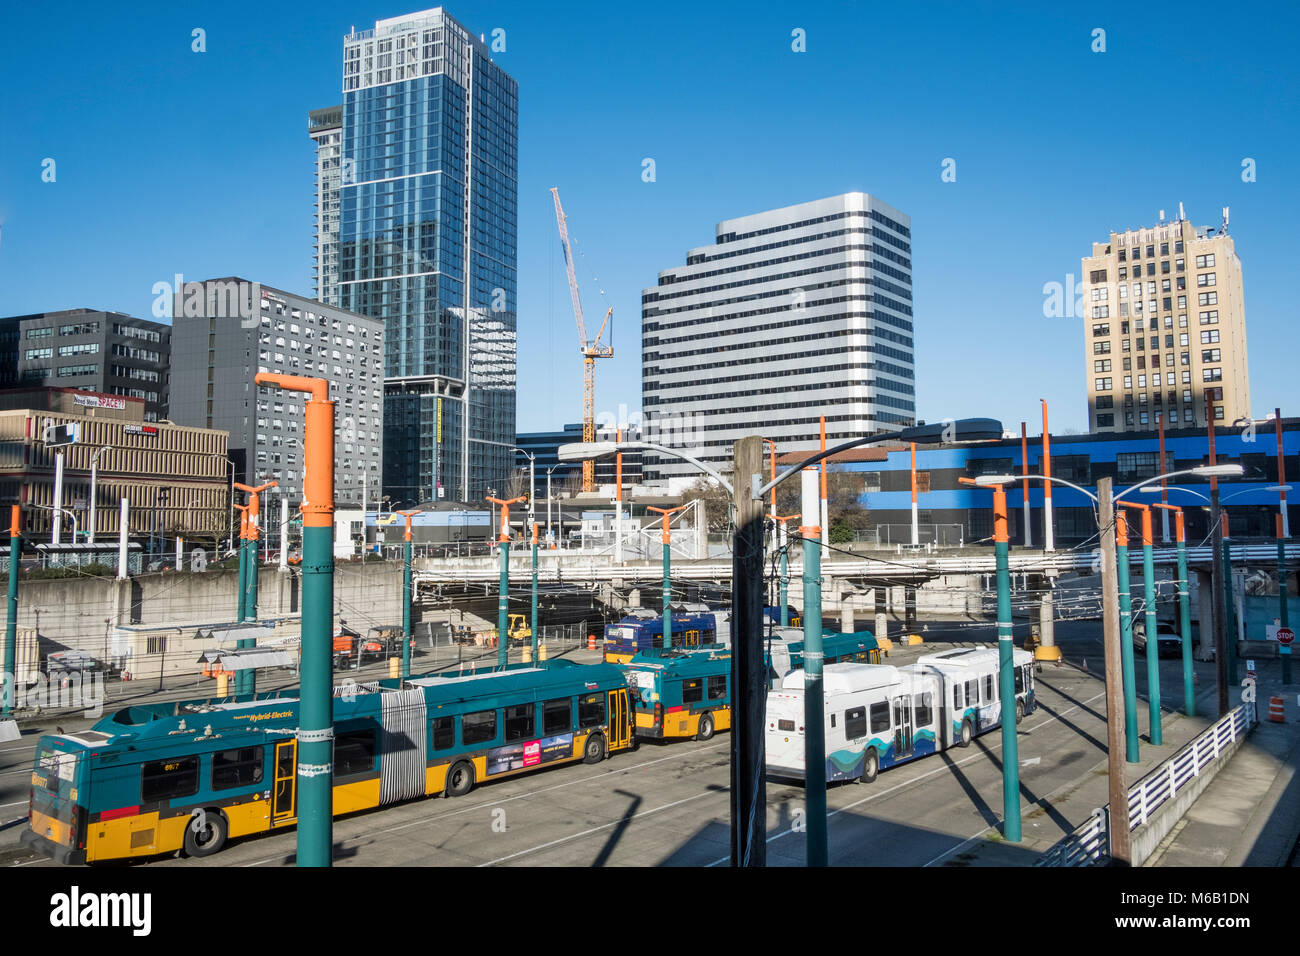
(1283,616)
(1024,470)
(1049,533)
(503,593)
(1121,852)
(1216,574)
(533,621)
(1184,610)
(814,697)
(668,586)
(316,698)
(1153,644)
(748,770)
(8,677)
(406,596)
(1126,638)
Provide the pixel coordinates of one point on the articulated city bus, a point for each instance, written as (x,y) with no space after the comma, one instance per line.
(686,692)
(877,716)
(188,776)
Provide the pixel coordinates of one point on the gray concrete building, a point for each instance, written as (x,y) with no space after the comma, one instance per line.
(89,349)
(217,354)
(789,315)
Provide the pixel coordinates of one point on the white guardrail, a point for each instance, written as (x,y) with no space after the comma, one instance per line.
(1089,843)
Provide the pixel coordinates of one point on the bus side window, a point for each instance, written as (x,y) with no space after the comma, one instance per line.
(1020,680)
(855,723)
(478,727)
(237,768)
(990,694)
(168,779)
(591,710)
(443,732)
(557,716)
(354,753)
(956,696)
(880,718)
(520,722)
(717,687)
(875,657)
(972,693)
(923,709)
(692,691)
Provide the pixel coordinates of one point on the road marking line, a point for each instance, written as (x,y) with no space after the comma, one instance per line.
(603,826)
(519,796)
(908,783)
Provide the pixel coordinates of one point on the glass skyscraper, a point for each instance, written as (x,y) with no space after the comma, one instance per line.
(426,240)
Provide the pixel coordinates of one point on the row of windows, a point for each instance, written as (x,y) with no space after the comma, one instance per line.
(1151,250)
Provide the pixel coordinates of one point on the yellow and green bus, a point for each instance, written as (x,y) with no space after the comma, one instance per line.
(190,776)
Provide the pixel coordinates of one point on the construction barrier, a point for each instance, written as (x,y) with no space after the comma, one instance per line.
(591,642)
(1277,710)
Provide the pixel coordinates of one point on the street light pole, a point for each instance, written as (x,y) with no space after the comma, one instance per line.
(1152,641)
(814,698)
(1118,826)
(1126,638)
(1011,830)
(94,496)
(406,596)
(503,594)
(1184,610)
(316,732)
(533,619)
(1283,615)
(1216,583)
(8,677)
(667,588)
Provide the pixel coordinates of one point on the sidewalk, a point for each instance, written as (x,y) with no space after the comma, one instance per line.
(1250,813)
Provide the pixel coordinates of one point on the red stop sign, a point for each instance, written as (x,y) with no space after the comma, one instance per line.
(1285,636)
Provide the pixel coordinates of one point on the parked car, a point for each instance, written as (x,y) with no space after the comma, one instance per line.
(65,662)
(1169,643)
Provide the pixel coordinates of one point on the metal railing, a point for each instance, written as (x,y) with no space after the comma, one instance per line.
(891,535)
(1088,844)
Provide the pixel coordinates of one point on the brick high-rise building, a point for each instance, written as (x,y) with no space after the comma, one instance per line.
(1165,326)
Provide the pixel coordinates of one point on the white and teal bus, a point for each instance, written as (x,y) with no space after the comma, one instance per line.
(877,716)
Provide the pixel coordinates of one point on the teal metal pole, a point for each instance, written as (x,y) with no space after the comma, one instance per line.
(1153,643)
(406,611)
(668,599)
(8,677)
(503,638)
(254,560)
(533,620)
(243,581)
(315,736)
(1185,620)
(1229,610)
(1282,615)
(785,589)
(1126,647)
(1007,673)
(814,707)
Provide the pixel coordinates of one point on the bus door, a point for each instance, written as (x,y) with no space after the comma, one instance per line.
(284,792)
(620,720)
(902,726)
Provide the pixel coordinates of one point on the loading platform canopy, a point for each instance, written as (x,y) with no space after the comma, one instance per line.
(250,658)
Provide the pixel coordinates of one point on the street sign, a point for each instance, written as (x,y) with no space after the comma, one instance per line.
(56,436)
(1285,636)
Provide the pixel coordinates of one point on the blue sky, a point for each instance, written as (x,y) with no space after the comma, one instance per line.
(173,161)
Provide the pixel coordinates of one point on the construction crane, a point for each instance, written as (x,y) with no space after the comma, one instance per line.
(591,349)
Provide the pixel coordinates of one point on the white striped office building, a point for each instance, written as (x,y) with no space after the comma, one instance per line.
(792,314)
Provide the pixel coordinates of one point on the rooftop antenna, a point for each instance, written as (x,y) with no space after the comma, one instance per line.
(1181,215)
(1224,228)
(1162,215)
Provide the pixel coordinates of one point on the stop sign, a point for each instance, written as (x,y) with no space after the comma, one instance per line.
(1285,636)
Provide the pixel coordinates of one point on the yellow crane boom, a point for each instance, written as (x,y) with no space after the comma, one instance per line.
(591,349)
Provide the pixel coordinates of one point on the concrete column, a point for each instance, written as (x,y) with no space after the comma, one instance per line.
(909,609)
(846,613)
(882,619)
(1204,613)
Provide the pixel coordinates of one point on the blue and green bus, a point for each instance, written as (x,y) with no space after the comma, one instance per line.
(642,629)
(159,778)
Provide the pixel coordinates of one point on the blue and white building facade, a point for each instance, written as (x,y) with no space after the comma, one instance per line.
(790,314)
(426,240)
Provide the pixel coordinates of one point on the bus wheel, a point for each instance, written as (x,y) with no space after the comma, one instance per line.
(205,834)
(965,733)
(460,779)
(1020,711)
(870,766)
(594,752)
(705,731)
